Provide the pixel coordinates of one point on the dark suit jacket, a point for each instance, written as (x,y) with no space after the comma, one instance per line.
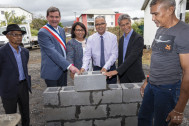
(9,75)
(131,68)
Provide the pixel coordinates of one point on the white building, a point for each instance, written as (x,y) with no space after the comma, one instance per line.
(18,11)
(150,27)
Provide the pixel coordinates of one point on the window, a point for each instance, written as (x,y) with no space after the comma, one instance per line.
(112,23)
(2,12)
(13,11)
(23,28)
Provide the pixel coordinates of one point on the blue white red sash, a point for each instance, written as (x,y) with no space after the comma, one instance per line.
(54,33)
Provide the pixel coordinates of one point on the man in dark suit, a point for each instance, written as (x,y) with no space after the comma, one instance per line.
(52,41)
(14,79)
(130,54)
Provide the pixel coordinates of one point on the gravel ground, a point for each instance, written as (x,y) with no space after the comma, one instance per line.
(38,86)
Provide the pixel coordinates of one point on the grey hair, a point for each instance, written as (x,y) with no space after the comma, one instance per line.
(100,17)
(52,9)
(167,3)
(122,17)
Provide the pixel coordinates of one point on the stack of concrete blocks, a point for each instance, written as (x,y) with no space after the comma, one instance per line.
(115,106)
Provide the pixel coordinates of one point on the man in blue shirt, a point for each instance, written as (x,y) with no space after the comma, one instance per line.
(130,54)
(15,83)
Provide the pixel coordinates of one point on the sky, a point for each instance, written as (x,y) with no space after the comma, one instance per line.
(68,7)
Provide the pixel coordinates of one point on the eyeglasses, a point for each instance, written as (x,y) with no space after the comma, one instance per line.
(16,35)
(100,24)
(79,30)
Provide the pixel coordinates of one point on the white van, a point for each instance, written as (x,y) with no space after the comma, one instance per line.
(27,41)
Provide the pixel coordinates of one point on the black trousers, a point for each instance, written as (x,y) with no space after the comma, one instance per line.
(62,81)
(22,99)
(112,80)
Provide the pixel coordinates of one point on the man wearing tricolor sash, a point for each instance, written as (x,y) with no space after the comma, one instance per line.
(52,41)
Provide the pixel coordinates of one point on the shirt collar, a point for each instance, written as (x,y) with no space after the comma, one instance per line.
(129,35)
(14,50)
(56,28)
(102,35)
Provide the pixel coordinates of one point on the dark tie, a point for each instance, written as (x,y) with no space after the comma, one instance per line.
(102,59)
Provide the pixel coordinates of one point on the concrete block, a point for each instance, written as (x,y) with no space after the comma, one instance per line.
(56,114)
(53,124)
(140,84)
(131,121)
(185,121)
(131,92)
(51,96)
(109,122)
(123,109)
(91,80)
(112,95)
(79,123)
(68,97)
(187,103)
(88,112)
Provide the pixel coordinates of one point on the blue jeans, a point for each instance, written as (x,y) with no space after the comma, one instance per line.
(158,102)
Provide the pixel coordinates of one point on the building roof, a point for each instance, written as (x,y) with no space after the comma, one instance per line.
(145,4)
(98,11)
(11,6)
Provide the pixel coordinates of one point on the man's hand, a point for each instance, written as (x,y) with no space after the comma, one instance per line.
(82,70)
(111,73)
(175,118)
(143,87)
(72,75)
(103,70)
(73,69)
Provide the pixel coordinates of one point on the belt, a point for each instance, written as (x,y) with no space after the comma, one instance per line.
(21,81)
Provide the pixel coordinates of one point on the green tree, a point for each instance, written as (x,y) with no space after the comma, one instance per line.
(34,32)
(3,23)
(187,17)
(12,19)
(61,25)
(117,31)
(138,27)
(39,22)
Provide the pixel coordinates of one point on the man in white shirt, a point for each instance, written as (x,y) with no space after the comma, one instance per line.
(102,48)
